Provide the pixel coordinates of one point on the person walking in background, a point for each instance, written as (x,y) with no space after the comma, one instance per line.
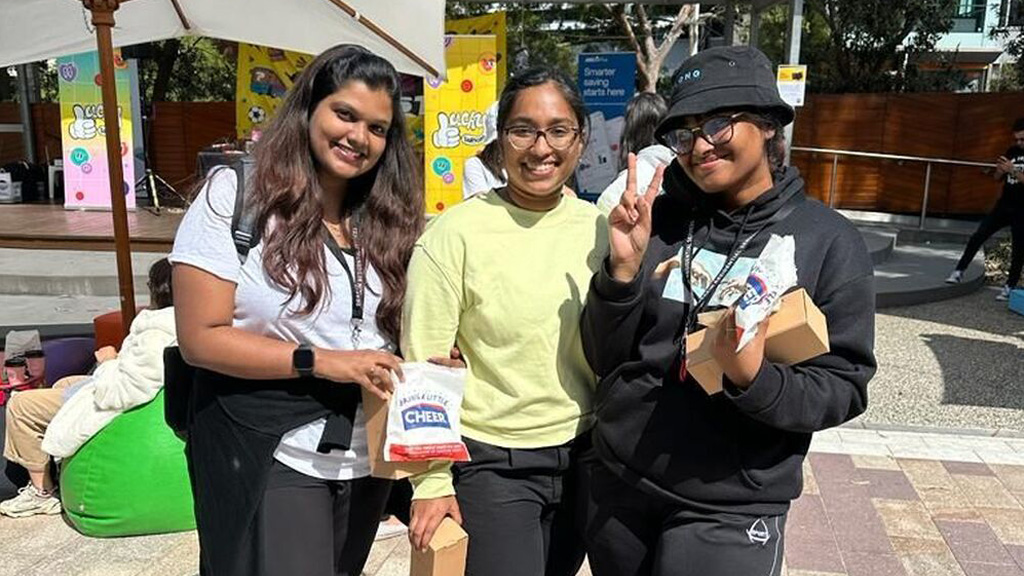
(1008,211)
(643,114)
(504,275)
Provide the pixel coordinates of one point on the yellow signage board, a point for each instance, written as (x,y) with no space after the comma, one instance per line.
(454,126)
(488,24)
(264,76)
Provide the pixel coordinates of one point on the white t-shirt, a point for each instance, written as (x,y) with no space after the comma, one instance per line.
(477,178)
(261,307)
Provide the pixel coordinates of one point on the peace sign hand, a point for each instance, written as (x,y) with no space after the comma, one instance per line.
(629,224)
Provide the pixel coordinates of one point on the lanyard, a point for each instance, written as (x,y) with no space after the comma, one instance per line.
(356,281)
(690,320)
(691,314)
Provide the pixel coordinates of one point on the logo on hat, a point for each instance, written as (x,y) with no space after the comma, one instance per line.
(689,75)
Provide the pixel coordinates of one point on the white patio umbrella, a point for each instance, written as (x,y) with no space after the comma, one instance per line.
(406,32)
(409,33)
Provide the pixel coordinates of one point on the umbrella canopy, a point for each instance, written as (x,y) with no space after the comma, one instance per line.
(409,33)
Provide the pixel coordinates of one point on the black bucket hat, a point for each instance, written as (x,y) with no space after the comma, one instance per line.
(724,78)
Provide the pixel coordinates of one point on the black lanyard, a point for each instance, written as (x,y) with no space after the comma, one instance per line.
(356,281)
(690,321)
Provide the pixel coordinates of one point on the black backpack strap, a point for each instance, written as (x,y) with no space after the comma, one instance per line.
(243,222)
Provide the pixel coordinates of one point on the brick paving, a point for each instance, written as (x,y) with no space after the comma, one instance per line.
(875,503)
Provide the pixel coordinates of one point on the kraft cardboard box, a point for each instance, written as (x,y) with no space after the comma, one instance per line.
(445,555)
(797,332)
(376,412)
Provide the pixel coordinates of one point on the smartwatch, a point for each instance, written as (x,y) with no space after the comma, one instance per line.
(302,360)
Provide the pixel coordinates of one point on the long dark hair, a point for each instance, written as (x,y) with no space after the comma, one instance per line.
(643,114)
(535,77)
(386,202)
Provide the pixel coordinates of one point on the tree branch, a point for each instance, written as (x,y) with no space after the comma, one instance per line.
(645,31)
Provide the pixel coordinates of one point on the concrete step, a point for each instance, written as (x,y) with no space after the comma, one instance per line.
(916,274)
(56,315)
(880,241)
(67,272)
(944,230)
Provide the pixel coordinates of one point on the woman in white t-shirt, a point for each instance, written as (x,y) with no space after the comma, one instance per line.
(285,338)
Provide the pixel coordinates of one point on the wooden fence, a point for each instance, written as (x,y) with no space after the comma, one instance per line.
(972,127)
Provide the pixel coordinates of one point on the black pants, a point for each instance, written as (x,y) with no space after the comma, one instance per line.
(630,533)
(317,527)
(522,509)
(1000,217)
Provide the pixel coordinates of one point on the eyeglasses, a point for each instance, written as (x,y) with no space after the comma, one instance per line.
(558,137)
(715,131)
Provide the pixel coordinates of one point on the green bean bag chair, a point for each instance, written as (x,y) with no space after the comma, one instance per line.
(129,479)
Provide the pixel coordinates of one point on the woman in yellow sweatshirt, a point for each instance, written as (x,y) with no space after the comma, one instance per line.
(504,276)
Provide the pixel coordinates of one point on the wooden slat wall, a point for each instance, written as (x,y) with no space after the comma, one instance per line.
(46,121)
(181,130)
(972,127)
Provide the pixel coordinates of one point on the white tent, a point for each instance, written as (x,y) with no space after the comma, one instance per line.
(409,33)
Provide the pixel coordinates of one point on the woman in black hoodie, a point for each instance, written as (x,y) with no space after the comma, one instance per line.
(687,483)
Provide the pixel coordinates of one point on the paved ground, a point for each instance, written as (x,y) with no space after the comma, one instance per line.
(956,363)
(875,503)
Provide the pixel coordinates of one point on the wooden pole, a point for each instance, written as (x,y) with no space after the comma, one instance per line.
(103,20)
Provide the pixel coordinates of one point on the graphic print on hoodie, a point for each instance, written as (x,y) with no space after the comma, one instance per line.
(705,268)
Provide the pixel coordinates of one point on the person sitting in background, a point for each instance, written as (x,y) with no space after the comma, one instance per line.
(643,114)
(30,414)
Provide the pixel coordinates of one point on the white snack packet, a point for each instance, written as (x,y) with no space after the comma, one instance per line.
(423,415)
(772,275)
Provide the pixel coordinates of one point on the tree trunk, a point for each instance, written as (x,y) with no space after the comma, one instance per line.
(167,56)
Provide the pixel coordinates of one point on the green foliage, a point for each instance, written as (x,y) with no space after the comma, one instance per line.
(202,69)
(1011,77)
(872,45)
(190,70)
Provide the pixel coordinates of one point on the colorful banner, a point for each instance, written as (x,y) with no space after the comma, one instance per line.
(264,76)
(454,125)
(83,131)
(486,25)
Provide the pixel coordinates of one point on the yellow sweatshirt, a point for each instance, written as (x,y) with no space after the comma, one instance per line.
(508,286)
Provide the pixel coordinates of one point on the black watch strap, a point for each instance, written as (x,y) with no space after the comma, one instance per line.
(302,360)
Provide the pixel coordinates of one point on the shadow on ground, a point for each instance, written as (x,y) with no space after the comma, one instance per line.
(978,311)
(978,372)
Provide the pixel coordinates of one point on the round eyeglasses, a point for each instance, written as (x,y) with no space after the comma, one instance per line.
(558,137)
(715,131)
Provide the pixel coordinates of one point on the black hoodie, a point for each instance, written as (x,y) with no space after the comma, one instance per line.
(740,450)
